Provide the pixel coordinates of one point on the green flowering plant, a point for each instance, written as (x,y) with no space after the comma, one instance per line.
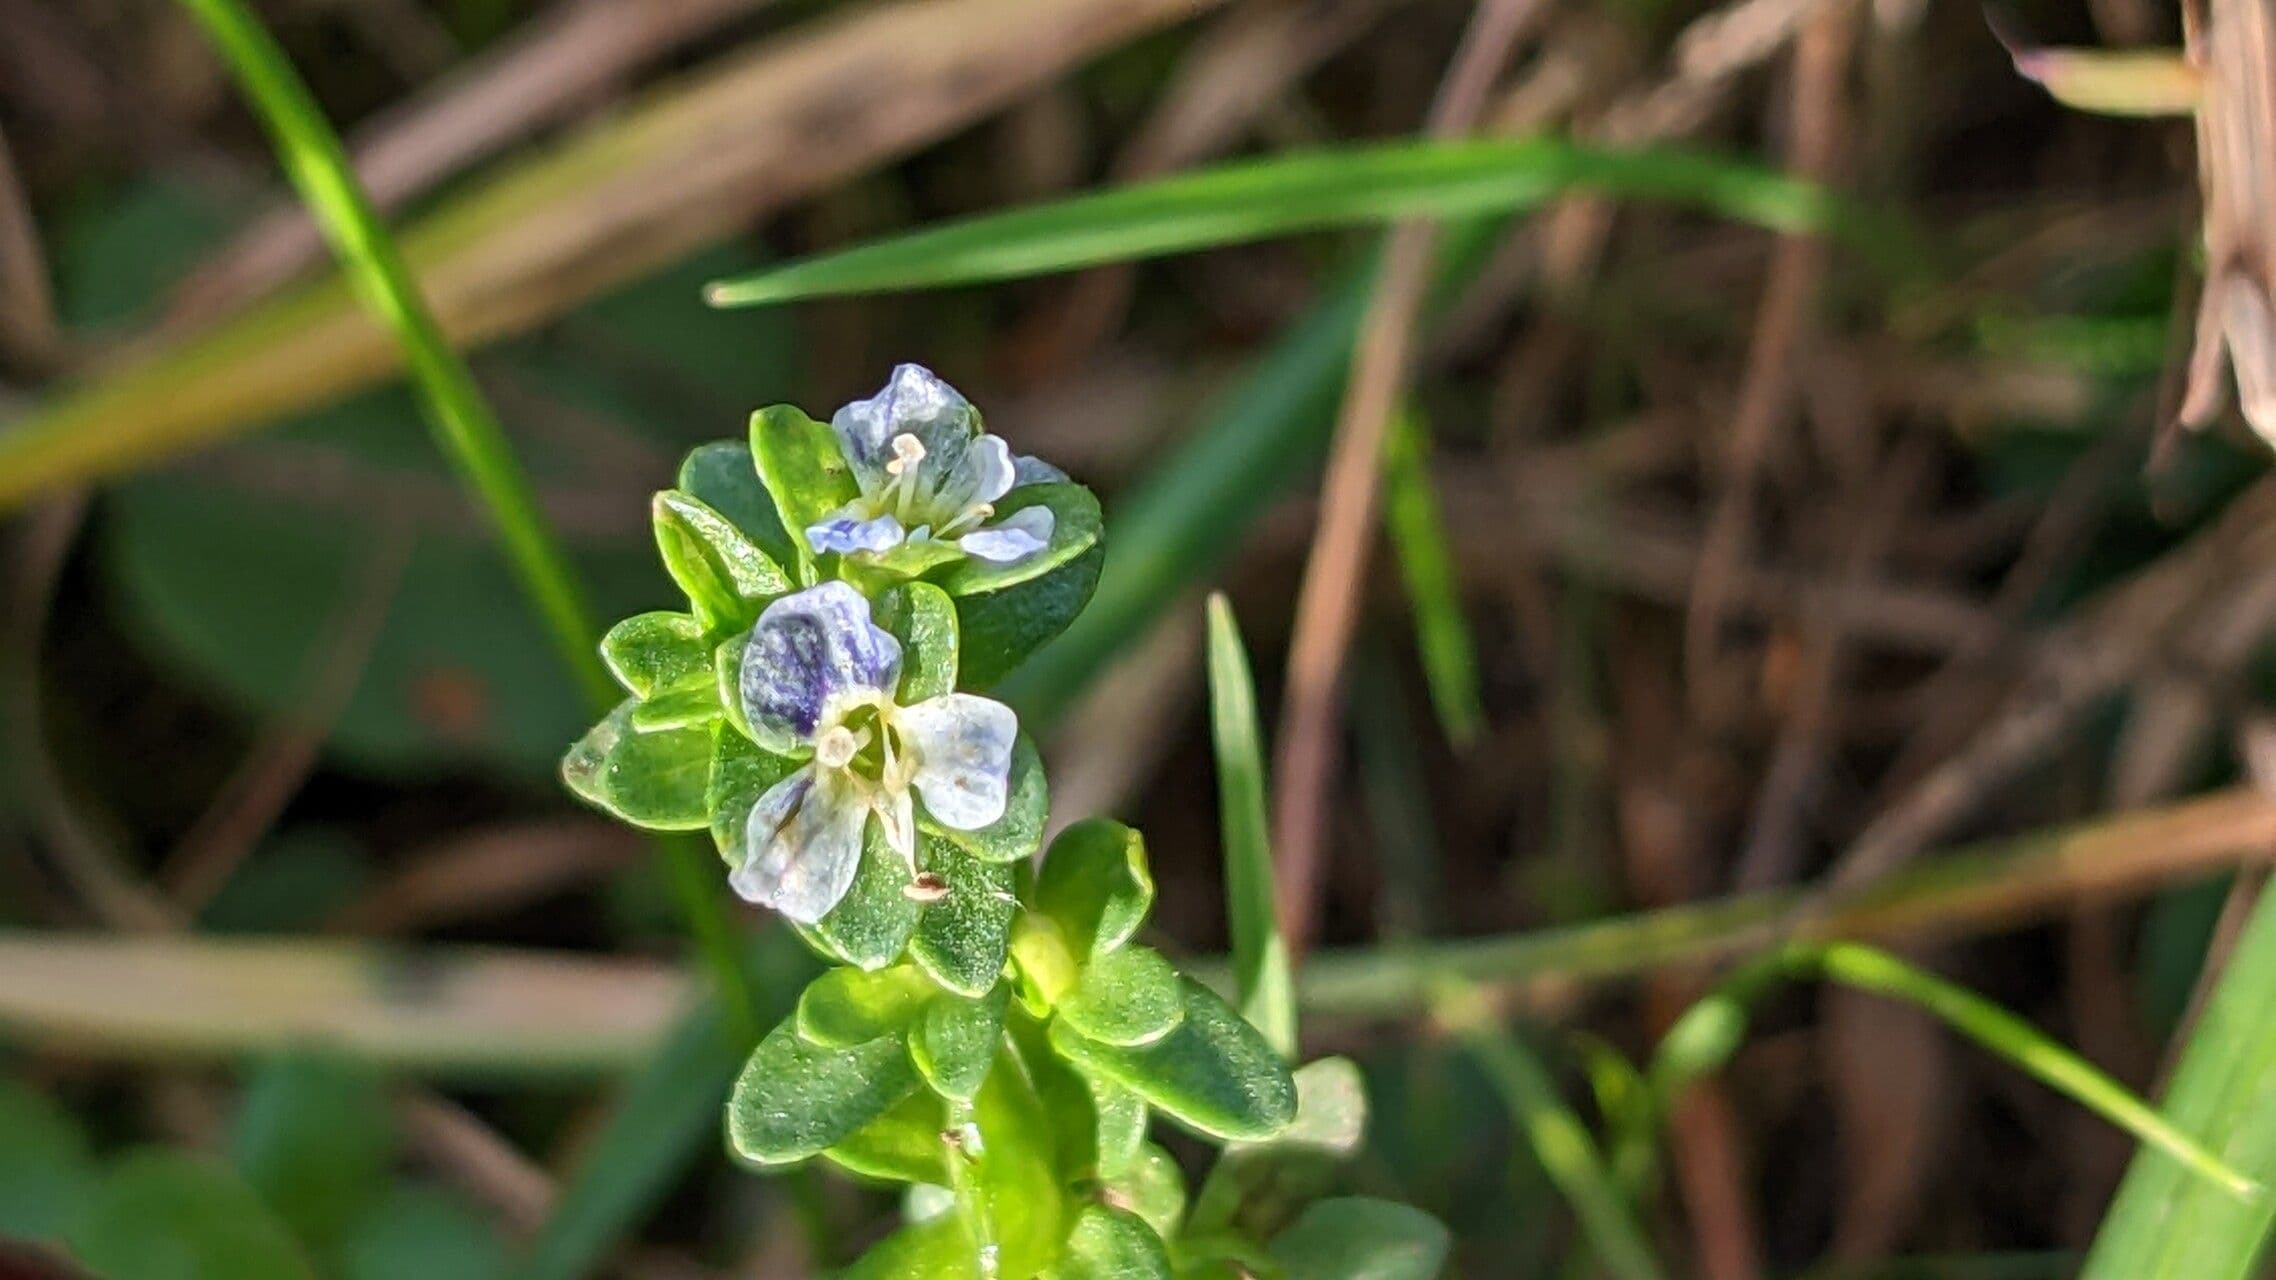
(991,1035)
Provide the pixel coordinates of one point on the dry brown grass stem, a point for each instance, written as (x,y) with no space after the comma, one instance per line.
(1327,604)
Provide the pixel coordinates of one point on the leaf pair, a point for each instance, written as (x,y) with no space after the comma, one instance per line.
(1121,1014)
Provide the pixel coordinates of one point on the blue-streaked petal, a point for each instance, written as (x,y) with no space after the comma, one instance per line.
(963,746)
(1029,469)
(983,474)
(807,650)
(1011,539)
(913,402)
(847,533)
(801,846)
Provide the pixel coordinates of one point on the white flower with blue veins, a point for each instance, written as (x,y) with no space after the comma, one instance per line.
(929,474)
(818,683)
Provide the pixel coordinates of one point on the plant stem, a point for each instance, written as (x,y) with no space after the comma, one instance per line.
(1704,1039)
(464,427)
(116,998)
(1969,890)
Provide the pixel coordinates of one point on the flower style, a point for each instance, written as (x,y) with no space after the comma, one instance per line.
(929,475)
(818,681)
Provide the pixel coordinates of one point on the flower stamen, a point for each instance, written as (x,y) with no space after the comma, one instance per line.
(837,746)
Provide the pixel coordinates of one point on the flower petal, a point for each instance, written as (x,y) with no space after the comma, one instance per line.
(963,747)
(983,474)
(1029,469)
(1012,539)
(898,817)
(912,402)
(806,650)
(801,846)
(845,532)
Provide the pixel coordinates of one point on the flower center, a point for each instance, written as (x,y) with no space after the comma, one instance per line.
(866,742)
(836,748)
(905,496)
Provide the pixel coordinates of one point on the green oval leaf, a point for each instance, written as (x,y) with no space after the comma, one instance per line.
(871,926)
(793,1098)
(956,1040)
(1356,1238)
(741,772)
(1008,612)
(1019,833)
(1153,1187)
(46,1172)
(162,1213)
(1076,527)
(1127,998)
(1095,885)
(935,1249)
(724,574)
(725,477)
(1110,1244)
(657,779)
(423,1232)
(1256,1186)
(923,618)
(1215,1072)
(846,1007)
(313,1137)
(965,937)
(688,706)
(1016,1176)
(1119,1119)
(727,681)
(903,1145)
(651,651)
(803,468)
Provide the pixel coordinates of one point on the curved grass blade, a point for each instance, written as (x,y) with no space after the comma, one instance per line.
(1260,952)
(2166,1224)
(1426,564)
(465,429)
(464,426)
(1707,1034)
(1285,194)
(1559,1140)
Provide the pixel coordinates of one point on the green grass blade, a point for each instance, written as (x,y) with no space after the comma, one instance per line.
(1559,1140)
(1260,953)
(464,427)
(1281,195)
(2166,1224)
(463,424)
(1710,1031)
(1426,564)
(1266,437)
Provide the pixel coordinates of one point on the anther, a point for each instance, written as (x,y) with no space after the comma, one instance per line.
(908,451)
(836,747)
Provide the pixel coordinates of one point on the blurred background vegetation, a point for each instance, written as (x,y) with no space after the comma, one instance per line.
(1721,561)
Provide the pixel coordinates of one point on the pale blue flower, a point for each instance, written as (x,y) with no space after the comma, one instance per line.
(818,684)
(929,475)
